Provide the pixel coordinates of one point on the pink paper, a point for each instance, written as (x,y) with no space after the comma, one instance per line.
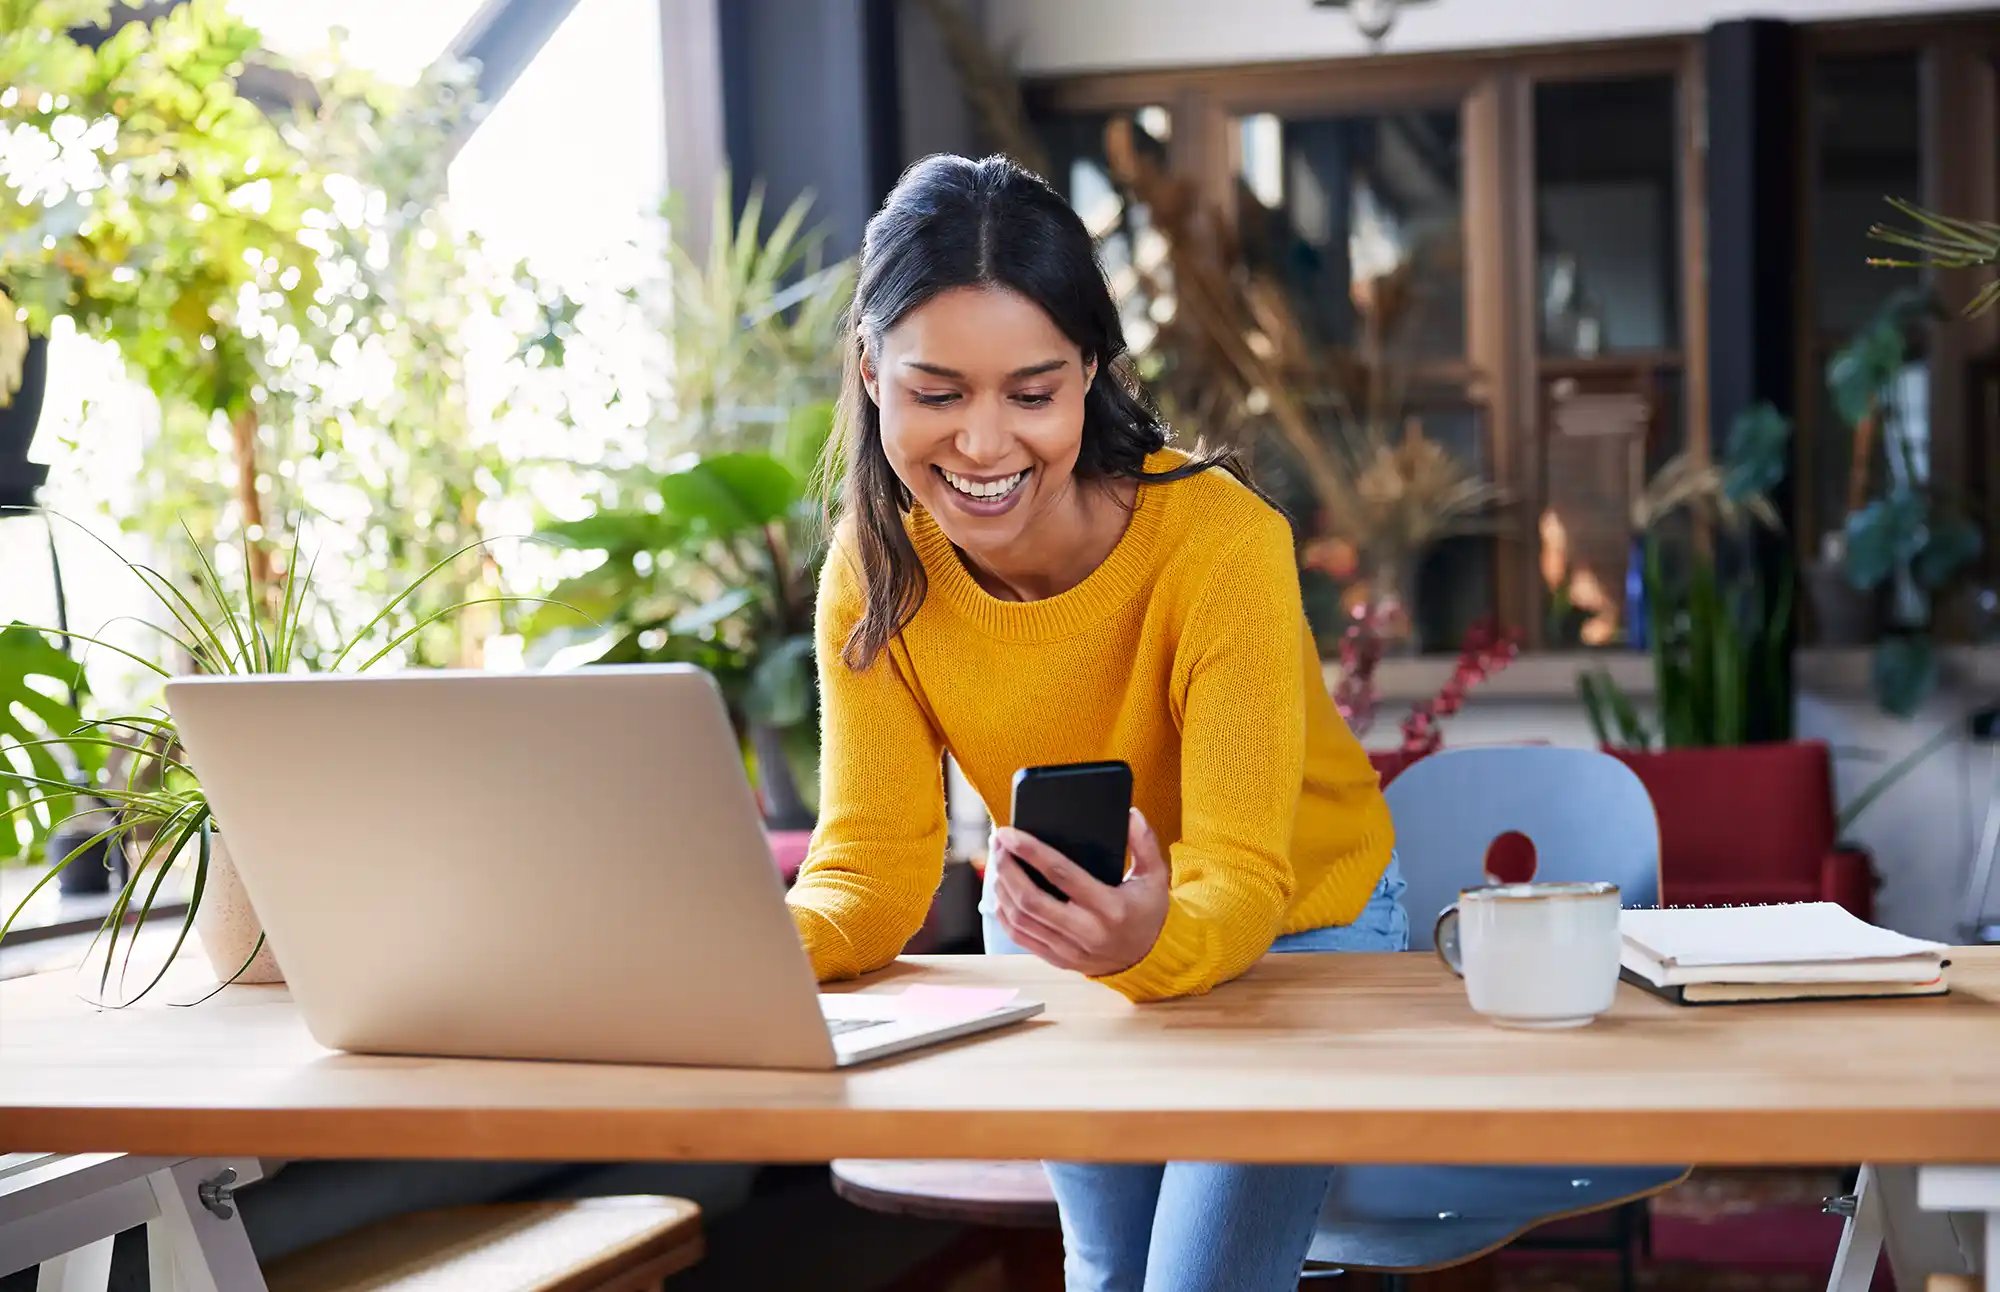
(962,1001)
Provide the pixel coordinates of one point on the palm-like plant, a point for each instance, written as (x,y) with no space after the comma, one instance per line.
(718,569)
(1944,243)
(158,813)
(754,329)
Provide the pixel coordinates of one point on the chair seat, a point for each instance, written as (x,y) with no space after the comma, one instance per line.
(581,1245)
(1001,1195)
(1409,1219)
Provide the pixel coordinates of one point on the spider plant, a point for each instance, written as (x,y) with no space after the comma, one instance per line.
(1945,243)
(158,814)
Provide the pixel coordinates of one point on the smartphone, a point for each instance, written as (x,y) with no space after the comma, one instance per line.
(1080,810)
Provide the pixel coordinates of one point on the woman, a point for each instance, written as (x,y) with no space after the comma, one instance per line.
(1024,573)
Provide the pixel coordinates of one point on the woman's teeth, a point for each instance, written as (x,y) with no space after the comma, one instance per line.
(983,488)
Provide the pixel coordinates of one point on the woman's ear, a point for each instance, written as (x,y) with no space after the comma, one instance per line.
(1089,371)
(870,381)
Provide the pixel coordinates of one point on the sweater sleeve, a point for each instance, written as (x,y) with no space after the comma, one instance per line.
(877,854)
(1240,685)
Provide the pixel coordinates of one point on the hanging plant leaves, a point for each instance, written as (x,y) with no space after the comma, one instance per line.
(1947,549)
(1882,536)
(30,713)
(1905,674)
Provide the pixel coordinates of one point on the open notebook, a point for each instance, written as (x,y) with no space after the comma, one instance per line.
(1799,951)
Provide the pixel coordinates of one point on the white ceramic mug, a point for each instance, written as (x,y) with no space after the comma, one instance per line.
(1534,955)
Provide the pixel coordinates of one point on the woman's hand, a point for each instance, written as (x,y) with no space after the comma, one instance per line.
(1101,930)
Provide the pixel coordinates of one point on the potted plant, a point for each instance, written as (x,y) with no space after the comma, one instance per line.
(710,550)
(41,688)
(158,816)
(198,232)
(1716,633)
(1945,242)
(1898,547)
(718,569)
(178,203)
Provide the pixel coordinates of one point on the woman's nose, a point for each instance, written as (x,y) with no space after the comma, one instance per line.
(983,437)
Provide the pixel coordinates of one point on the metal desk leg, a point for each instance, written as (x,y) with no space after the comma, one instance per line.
(1861,1239)
(200,1226)
(1973,1189)
(62,1211)
(87,1269)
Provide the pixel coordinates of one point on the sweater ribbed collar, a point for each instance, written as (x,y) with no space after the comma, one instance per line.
(1129,569)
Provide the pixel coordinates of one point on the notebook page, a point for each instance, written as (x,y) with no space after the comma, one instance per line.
(1797,933)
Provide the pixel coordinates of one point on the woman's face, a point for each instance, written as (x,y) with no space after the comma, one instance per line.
(981,398)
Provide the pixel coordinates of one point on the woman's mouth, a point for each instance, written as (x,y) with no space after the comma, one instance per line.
(989,496)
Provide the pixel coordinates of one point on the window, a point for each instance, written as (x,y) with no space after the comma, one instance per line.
(1342,208)
(1607,230)
(392,38)
(1867,119)
(1133,252)
(1608,318)
(1359,218)
(1866,142)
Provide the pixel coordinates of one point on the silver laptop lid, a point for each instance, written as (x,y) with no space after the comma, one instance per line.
(557,865)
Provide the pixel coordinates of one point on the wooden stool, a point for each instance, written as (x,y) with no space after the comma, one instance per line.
(581,1245)
(1009,1201)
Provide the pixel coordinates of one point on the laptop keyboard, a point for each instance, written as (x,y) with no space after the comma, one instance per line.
(840,1026)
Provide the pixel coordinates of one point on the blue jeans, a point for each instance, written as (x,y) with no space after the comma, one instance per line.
(1203,1226)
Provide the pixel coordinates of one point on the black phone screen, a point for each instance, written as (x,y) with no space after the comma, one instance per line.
(1080,810)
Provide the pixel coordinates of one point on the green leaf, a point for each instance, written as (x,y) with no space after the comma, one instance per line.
(622,532)
(1858,373)
(30,716)
(1591,686)
(600,593)
(1948,548)
(1904,673)
(1902,767)
(807,431)
(1881,537)
(781,686)
(711,613)
(1758,454)
(729,493)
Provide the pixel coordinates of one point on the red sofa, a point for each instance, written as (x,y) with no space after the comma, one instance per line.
(1751,824)
(1740,826)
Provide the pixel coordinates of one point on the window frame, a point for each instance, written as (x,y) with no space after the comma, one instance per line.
(1958,70)
(1501,372)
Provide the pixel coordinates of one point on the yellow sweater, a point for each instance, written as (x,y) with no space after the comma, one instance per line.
(1186,654)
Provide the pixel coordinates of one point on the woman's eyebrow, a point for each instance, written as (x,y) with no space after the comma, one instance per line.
(1032,370)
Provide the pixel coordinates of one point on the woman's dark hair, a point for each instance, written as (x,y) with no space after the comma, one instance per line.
(954,222)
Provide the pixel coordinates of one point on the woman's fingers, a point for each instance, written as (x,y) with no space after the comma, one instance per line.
(1039,940)
(1059,870)
(1018,889)
(1073,932)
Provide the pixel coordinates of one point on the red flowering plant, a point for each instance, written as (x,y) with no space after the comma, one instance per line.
(1487,649)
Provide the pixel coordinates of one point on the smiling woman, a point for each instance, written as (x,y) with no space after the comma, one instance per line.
(992,446)
(1025,573)
(985,352)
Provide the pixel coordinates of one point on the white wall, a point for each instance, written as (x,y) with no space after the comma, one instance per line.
(1092,35)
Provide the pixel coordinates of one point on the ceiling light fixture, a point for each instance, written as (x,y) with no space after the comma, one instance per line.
(1372,18)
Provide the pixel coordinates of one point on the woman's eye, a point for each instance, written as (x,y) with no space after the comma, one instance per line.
(937,400)
(1033,398)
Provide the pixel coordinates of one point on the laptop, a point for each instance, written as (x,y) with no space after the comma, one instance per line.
(564,866)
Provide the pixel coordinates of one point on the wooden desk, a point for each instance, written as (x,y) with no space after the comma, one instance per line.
(1308,1058)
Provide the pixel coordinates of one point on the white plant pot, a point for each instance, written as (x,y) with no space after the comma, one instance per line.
(228,928)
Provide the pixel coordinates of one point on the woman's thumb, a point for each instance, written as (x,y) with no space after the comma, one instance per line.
(1145,845)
